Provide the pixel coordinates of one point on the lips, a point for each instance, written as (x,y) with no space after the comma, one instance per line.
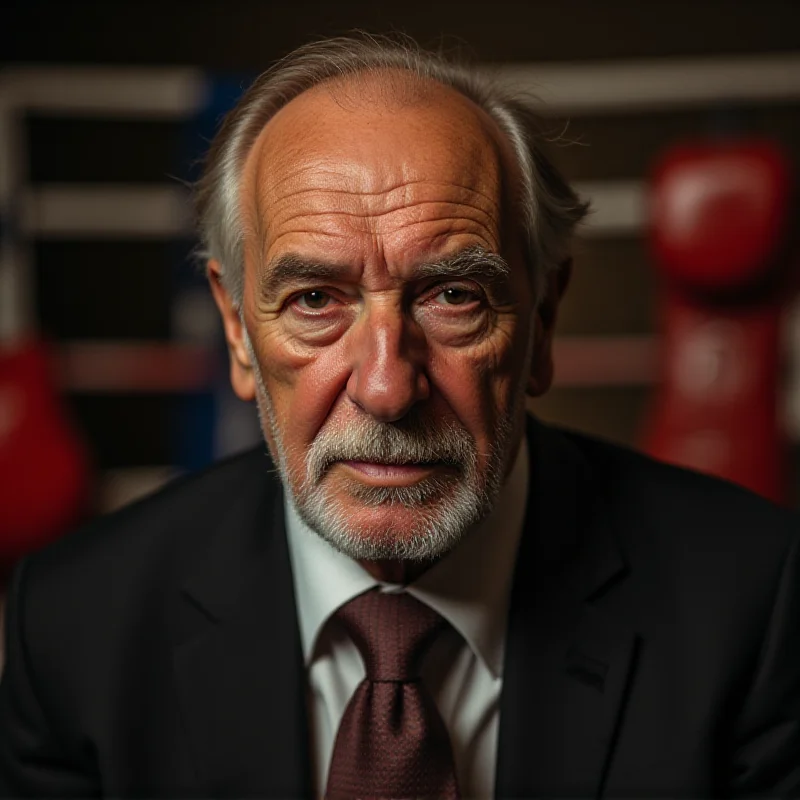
(392,474)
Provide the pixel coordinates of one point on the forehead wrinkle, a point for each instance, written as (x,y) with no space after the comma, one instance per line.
(403,186)
(285,209)
(348,229)
(356,202)
(344,173)
(345,232)
(422,216)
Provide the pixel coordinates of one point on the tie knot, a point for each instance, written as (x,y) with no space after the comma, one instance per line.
(392,631)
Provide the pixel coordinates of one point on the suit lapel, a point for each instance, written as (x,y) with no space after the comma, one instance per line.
(239,667)
(567,665)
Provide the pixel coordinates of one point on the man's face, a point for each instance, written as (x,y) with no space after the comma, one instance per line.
(389,316)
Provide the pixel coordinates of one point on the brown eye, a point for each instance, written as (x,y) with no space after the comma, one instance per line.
(453,296)
(314,299)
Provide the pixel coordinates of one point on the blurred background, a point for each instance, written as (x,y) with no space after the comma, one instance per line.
(680,333)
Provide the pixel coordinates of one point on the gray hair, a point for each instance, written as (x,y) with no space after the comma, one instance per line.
(549,207)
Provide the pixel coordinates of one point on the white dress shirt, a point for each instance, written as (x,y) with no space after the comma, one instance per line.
(463,670)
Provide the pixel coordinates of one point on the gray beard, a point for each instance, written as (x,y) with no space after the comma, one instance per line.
(447,505)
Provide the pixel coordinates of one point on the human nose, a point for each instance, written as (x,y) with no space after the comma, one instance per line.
(388,366)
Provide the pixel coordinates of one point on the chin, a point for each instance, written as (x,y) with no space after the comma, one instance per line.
(387,522)
(370,528)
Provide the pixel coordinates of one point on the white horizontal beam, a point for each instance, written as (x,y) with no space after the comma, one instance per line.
(791,397)
(150,92)
(75,211)
(16,276)
(618,208)
(108,211)
(655,84)
(586,87)
(136,367)
(145,366)
(582,362)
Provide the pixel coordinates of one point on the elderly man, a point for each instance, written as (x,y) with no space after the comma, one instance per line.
(435,596)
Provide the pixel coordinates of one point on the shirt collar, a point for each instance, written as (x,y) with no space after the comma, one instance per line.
(470,587)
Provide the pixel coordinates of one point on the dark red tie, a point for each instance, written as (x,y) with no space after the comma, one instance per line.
(392,741)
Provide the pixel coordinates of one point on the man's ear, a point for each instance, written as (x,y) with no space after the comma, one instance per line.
(242,377)
(541,375)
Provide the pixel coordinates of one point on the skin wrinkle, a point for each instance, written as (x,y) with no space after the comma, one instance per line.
(395,302)
(357,207)
(326,173)
(446,229)
(402,186)
(405,203)
(375,215)
(446,226)
(397,353)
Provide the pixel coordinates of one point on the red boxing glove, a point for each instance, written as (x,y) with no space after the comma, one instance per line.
(43,465)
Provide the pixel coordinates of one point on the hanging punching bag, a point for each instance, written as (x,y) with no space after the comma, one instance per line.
(720,214)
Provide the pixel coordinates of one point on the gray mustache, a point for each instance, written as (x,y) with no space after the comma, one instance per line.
(385,443)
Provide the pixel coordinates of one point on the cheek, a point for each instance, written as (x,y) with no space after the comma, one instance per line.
(303,382)
(479,384)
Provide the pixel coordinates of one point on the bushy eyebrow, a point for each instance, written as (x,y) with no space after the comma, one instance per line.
(472,262)
(291,269)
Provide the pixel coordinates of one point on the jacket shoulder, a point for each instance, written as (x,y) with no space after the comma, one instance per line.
(679,502)
(176,520)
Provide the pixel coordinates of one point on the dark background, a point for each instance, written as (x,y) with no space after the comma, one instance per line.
(248,35)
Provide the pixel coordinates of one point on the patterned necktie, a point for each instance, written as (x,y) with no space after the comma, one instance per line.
(392,741)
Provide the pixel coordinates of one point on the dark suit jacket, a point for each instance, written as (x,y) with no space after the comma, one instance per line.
(653,642)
